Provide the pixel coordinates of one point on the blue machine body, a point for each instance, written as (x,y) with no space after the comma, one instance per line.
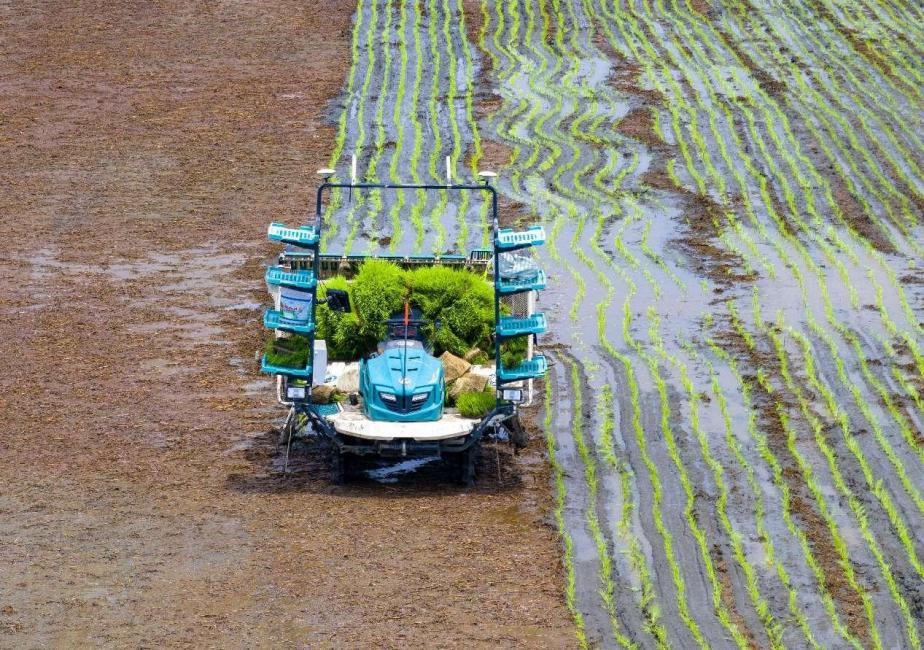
(404,382)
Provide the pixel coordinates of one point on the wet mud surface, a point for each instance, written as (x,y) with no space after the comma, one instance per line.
(729,449)
(146,148)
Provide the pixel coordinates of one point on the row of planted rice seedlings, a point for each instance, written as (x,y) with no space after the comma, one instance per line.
(796,610)
(830,141)
(780,118)
(352,218)
(398,122)
(838,479)
(883,52)
(648,599)
(593,522)
(667,430)
(882,311)
(559,513)
(905,19)
(781,179)
(476,147)
(877,133)
(876,90)
(653,472)
(332,225)
(695,401)
(648,602)
(775,627)
(721,610)
(455,151)
(861,401)
(649,607)
(818,54)
(420,196)
(873,484)
(761,382)
(372,229)
(657,259)
(640,434)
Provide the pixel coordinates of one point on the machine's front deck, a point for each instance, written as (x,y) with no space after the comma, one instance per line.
(350,421)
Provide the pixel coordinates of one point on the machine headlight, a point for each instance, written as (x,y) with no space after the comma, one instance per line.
(387,397)
(420,397)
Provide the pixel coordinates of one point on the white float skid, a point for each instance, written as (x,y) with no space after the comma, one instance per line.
(354,433)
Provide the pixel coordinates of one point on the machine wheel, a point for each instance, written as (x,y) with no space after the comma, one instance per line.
(342,466)
(463,466)
(518,433)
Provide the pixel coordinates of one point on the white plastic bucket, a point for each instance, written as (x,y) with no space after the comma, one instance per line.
(295,305)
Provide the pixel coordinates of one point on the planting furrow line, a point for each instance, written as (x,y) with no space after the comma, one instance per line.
(825,581)
(742,12)
(780,119)
(885,59)
(476,147)
(811,264)
(331,233)
(873,484)
(560,497)
(884,100)
(718,472)
(818,180)
(867,120)
(826,118)
(604,549)
(436,131)
(398,123)
(838,479)
(354,217)
(718,600)
(452,95)
(757,493)
(660,526)
(372,230)
(351,99)
(791,200)
(783,489)
(768,206)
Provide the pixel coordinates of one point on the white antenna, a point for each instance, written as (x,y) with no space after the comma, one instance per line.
(354,169)
(448,172)
(326,173)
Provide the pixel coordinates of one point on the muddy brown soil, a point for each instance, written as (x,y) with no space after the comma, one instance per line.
(146,146)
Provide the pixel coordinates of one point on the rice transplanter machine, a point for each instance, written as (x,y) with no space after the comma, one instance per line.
(400,409)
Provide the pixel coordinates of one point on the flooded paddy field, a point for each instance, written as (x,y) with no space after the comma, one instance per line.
(733,196)
(727,449)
